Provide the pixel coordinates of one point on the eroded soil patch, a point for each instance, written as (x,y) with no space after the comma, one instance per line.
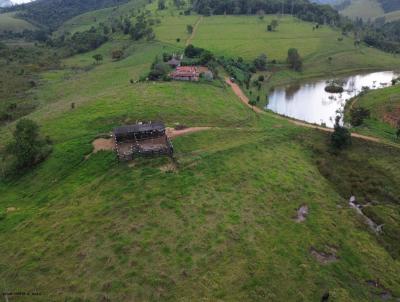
(324,257)
(302,213)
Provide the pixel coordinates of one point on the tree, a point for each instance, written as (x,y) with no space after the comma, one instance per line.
(357,116)
(274,24)
(340,137)
(117,54)
(189,28)
(98,58)
(161,4)
(159,70)
(28,148)
(294,60)
(260,62)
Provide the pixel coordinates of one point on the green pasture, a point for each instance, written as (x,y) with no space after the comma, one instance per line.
(218,222)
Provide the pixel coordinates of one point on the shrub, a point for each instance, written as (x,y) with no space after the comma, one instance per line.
(294,60)
(341,137)
(261,78)
(357,116)
(260,62)
(28,148)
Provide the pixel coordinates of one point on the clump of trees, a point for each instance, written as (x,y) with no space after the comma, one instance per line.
(294,60)
(98,58)
(273,25)
(197,56)
(159,70)
(358,115)
(341,136)
(117,54)
(142,29)
(260,63)
(28,147)
(80,42)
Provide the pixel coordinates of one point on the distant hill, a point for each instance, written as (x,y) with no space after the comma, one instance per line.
(53,13)
(368,9)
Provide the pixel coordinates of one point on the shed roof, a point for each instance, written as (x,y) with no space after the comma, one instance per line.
(137,128)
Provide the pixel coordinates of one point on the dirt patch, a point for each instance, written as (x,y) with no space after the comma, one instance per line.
(106,144)
(172,132)
(169,168)
(302,213)
(324,257)
(392,117)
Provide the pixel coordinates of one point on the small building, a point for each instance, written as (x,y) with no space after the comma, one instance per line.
(142,139)
(174,62)
(185,73)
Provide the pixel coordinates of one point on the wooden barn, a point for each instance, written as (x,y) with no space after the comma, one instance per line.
(142,139)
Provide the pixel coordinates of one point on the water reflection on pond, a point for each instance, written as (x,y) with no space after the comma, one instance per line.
(311,103)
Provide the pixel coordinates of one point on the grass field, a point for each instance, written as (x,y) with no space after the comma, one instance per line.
(220,227)
(379,102)
(10,23)
(246,37)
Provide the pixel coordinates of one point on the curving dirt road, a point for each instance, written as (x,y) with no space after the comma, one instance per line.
(245,100)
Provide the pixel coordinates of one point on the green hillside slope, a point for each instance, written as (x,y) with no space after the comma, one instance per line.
(384,105)
(217,223)
(8,22)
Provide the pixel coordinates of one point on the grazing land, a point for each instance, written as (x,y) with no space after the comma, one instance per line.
(218,222)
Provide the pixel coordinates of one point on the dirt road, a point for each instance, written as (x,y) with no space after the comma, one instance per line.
(172,133)
(245,100)
(189,40)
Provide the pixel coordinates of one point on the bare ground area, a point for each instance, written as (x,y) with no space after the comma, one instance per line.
(324,257)
(103,144)
(302,213)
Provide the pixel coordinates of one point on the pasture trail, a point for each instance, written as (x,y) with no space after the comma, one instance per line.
(245,100)
(189,40)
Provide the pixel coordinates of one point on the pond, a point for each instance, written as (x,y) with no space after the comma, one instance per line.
(311,103)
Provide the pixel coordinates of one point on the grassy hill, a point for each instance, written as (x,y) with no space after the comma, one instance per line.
(219,224)
(8,22)
(384,105)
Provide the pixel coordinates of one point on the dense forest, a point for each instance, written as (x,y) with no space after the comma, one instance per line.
(52,13)
(384,36)
(303,9)
(390,5)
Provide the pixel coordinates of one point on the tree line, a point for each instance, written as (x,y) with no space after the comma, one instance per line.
(303,9)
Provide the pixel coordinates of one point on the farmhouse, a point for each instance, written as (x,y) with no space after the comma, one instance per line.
(186,73)
(142,139)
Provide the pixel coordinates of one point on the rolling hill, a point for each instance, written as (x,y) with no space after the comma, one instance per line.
(218,221)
